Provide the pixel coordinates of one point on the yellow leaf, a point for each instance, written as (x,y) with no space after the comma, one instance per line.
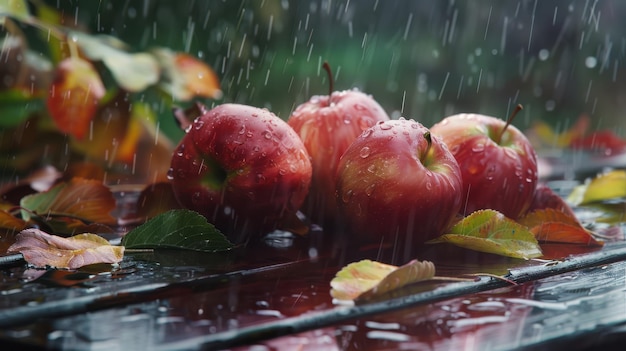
(548,136)
(606,186)
(15,8)
(367,279)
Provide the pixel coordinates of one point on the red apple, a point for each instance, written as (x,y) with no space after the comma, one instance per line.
(397,182)
(243,168)
(498,163)
(328,125)
(546,198)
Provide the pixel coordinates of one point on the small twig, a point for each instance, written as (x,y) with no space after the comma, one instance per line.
(493,276)
(132,251)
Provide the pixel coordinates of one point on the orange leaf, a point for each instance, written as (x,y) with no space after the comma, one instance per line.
(187,76)
(550,225)
(74,96)
(199,78)
(41,249)
(8,221)
(544,215)
(564,233)
(110,124)
(85,199)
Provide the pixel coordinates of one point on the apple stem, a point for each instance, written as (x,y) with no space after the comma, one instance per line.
(429,140)
(517,109)
(331,82)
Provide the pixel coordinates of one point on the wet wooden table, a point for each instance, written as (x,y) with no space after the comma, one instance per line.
(275,296)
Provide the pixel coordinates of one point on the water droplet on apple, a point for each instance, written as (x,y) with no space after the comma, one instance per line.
(359,107)
(370,189)
(346,196)
(415,126)
(510,153)
(267,134)
(366,133)
(198,124)
(371,168)
(385,126)
(282,171)
(170,174)
(480,147)
(491,169)
(228,210)
(365,152)
(195,198)
(260,178)
(429,186)
(528,180)
(365,122)
(242,130)
(181,150)
(455,149)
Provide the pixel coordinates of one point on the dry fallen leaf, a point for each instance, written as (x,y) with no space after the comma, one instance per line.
(367,279)
(8,221)
(41,249)
(88,200)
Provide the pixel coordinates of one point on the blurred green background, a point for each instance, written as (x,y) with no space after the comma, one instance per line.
(419,59)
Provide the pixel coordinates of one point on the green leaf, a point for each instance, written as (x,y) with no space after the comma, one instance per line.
(367,279)
(16,106)
(133,72)
(15,8)
(177,229)
(490,231)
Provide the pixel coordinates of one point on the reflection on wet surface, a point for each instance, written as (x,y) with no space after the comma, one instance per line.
(164,300)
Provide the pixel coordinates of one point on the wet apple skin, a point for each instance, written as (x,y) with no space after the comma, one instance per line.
(500,176)
(243,168)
